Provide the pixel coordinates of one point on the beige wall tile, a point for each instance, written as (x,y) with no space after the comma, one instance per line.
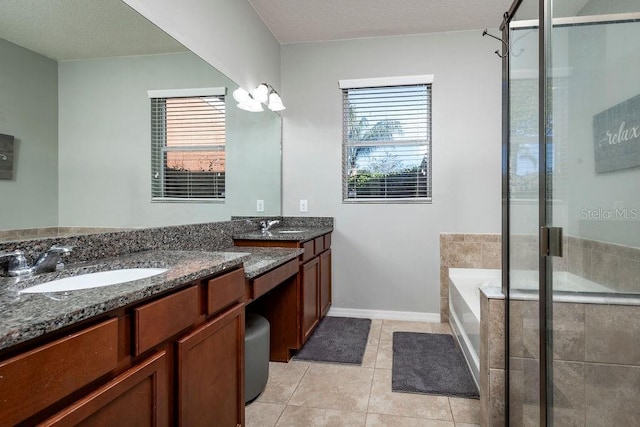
(334,387)
(496,407)
(568,393)
(496,333)
(311,417)
(629,275)
(569,331)
(491,256)
(612,397)
(384,401)
(259,414)
(465,255)
(613,334)
(604,269)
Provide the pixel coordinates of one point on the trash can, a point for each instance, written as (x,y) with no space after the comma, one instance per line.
(256,355)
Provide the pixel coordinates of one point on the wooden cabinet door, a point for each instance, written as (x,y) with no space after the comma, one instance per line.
(211,372)
(325,282)
(136,398)
(310,277)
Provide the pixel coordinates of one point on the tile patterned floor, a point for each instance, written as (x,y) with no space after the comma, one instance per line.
(313,394)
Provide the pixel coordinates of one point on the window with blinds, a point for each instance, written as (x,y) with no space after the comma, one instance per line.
(387,140)
(187,147)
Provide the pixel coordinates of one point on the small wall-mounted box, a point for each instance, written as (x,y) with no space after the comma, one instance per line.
(6,156)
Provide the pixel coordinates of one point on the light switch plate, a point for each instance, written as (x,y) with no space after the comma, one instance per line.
(260,206)
(303,206)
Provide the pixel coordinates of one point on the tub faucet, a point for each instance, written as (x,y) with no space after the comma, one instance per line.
(266,225)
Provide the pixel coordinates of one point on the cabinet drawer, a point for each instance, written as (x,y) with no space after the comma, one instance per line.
(36,379)
(270,280)
(327,240)
(161,319)
(138,397)
(308,251)
(319,243)
(225,290)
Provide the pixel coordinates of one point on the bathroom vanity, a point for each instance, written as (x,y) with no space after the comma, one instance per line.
(171,348)
(295,308)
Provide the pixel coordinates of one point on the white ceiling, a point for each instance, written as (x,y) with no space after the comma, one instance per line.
(293,21)
(81,29)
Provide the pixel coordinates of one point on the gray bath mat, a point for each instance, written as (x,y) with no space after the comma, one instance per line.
(430,364)
(338,340)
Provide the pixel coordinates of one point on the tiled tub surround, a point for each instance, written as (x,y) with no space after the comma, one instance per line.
(458,250)
(596,364)
(26,316)
(492,357)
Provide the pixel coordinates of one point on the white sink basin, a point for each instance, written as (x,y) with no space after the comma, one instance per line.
(289,231)
(94,280)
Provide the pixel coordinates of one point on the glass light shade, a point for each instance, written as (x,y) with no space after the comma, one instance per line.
(275,103)
(241,95)
(261,93)
(252,105)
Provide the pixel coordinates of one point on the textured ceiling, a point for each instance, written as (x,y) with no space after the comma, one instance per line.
(293,21)
(81,29)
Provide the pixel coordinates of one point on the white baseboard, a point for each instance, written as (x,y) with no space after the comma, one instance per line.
(384,314)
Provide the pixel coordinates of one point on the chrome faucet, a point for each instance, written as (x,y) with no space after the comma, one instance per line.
(47,262)
(266,225)
(17,264)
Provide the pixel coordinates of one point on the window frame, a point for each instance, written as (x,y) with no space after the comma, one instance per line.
(219,92)
(378,82)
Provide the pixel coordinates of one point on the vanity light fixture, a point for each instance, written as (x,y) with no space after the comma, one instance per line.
(264,93)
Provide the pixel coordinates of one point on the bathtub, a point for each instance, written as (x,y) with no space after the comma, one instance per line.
(464,309)
(464,300)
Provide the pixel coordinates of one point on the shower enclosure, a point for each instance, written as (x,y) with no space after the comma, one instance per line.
(571,212)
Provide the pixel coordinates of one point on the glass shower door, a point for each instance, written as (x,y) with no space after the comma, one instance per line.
(593,168)
(523,175)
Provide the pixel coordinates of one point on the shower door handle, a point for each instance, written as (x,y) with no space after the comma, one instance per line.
(551,241)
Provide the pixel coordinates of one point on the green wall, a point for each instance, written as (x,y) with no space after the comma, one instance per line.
(29,112)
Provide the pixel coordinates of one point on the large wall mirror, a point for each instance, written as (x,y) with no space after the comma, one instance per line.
(74,82)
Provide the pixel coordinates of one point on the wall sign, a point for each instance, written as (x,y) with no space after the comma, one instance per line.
(616,136)
(6,156)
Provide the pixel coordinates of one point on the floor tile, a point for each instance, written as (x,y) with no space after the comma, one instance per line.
(384,357)
(465,410)
(298,416)
(441,328)
(371,351)
(259,414)
(282,382)
(391,326)
(467,425)
(379,420)
(334,387)
(384,401)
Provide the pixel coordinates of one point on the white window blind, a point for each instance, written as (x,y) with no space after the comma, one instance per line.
(386,142)
(188,148)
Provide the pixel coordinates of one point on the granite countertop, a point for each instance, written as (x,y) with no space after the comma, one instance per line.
(262,260)
(295,234)
(27,316)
